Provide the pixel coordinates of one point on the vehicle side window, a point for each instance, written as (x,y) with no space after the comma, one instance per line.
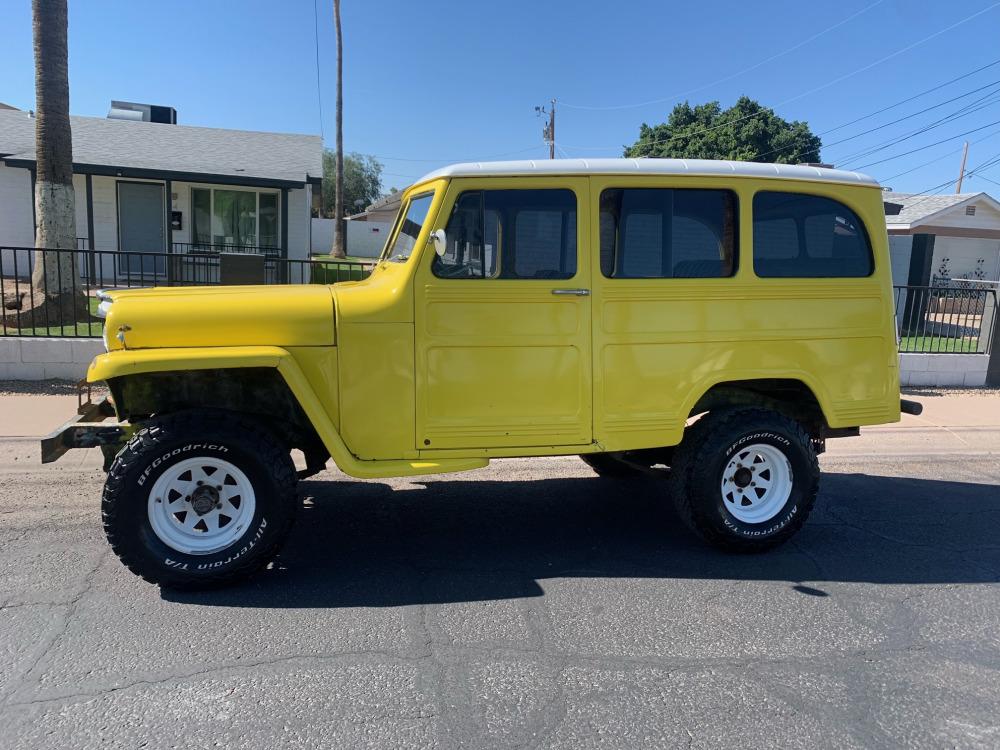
(510,234)
(665,233)
(808,236)
(410,225)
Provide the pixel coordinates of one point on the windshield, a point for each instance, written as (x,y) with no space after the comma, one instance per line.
(409,228)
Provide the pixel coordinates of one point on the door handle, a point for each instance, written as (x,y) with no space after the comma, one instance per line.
(573,292)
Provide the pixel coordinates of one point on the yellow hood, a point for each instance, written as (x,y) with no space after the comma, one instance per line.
(293,315)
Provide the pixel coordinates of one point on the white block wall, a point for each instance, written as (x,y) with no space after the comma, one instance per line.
(44,358)
(943,369)
(963,254)
(365,239)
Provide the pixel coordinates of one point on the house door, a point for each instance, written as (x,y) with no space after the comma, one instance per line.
(141,227)
(503,318)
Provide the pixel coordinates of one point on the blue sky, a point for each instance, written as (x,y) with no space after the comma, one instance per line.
(433,82)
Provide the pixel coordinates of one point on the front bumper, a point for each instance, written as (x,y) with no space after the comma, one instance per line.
(90,428)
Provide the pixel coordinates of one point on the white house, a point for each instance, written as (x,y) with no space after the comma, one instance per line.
(144,183)
(962,233)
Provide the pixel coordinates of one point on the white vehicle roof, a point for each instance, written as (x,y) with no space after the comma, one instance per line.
(649,166)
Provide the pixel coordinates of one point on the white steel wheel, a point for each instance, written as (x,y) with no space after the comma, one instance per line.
(201,505)
(756,483)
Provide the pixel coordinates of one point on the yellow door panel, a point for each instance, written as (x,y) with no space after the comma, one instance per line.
(524,409)
(504,362)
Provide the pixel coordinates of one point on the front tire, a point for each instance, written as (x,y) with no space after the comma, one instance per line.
(745,480)
(199,500)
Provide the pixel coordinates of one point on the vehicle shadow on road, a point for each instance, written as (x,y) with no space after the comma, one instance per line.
(365,544)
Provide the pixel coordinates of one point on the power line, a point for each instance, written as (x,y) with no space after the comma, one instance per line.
(891,106)
(958,114)
(816,89)
(906,117)
(731,76)
(983,177)
(319,87)
(911,98)
(993,160)
(939,158)
(929,145)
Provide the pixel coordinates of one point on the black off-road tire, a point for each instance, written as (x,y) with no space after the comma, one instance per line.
(698,468)
(167,440)
(606,465)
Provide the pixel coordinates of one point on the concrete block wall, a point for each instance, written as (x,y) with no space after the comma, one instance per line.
(44,358)
(943,369)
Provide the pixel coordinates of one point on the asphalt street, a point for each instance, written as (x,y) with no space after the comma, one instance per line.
(529,604)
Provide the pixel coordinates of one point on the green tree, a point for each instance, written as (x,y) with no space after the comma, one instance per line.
(362,182)
(55,297)
(747,131)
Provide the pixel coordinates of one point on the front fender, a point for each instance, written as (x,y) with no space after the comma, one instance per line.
(137,361)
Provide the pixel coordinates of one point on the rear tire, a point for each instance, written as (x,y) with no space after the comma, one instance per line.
(196,500)
(745,480)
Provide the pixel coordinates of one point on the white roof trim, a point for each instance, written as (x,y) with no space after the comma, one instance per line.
(649,166)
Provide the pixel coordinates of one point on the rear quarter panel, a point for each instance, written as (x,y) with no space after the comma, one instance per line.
(660,344)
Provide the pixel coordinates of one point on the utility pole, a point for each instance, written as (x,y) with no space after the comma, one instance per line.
(961,172)
(549,131)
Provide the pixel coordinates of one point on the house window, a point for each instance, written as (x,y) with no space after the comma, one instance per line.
(234,217)
(970,210)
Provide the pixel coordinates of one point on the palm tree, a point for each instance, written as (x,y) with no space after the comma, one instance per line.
(339,223)
(55,204)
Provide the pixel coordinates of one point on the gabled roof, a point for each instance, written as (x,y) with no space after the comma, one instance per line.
(179,149)
(651,166)
(919,209)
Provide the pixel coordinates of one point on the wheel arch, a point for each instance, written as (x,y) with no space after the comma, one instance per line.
(794,397)
(257,393)
(279,377)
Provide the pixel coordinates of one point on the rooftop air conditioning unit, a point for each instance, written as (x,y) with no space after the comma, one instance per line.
(142,112)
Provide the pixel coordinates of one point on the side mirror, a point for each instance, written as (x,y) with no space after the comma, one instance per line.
(439,240)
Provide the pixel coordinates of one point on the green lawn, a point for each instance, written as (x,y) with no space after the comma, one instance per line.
(932,344)
(329,270)
(93,328)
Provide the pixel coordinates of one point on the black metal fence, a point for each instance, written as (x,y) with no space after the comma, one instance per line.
(946,320)
(85,272)
(935,320)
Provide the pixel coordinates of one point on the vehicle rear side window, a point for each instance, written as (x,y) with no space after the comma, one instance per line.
(654,233)
(510,234)
(808,236)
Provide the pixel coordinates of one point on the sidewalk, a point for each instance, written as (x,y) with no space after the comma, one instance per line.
(958,421)
(954,421)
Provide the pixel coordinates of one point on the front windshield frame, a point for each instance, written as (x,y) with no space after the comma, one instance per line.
(389,251)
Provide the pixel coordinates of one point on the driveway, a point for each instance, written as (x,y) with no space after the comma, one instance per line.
(528,604)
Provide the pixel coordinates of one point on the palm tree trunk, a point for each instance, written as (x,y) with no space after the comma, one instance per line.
(339,222)
(55,204)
